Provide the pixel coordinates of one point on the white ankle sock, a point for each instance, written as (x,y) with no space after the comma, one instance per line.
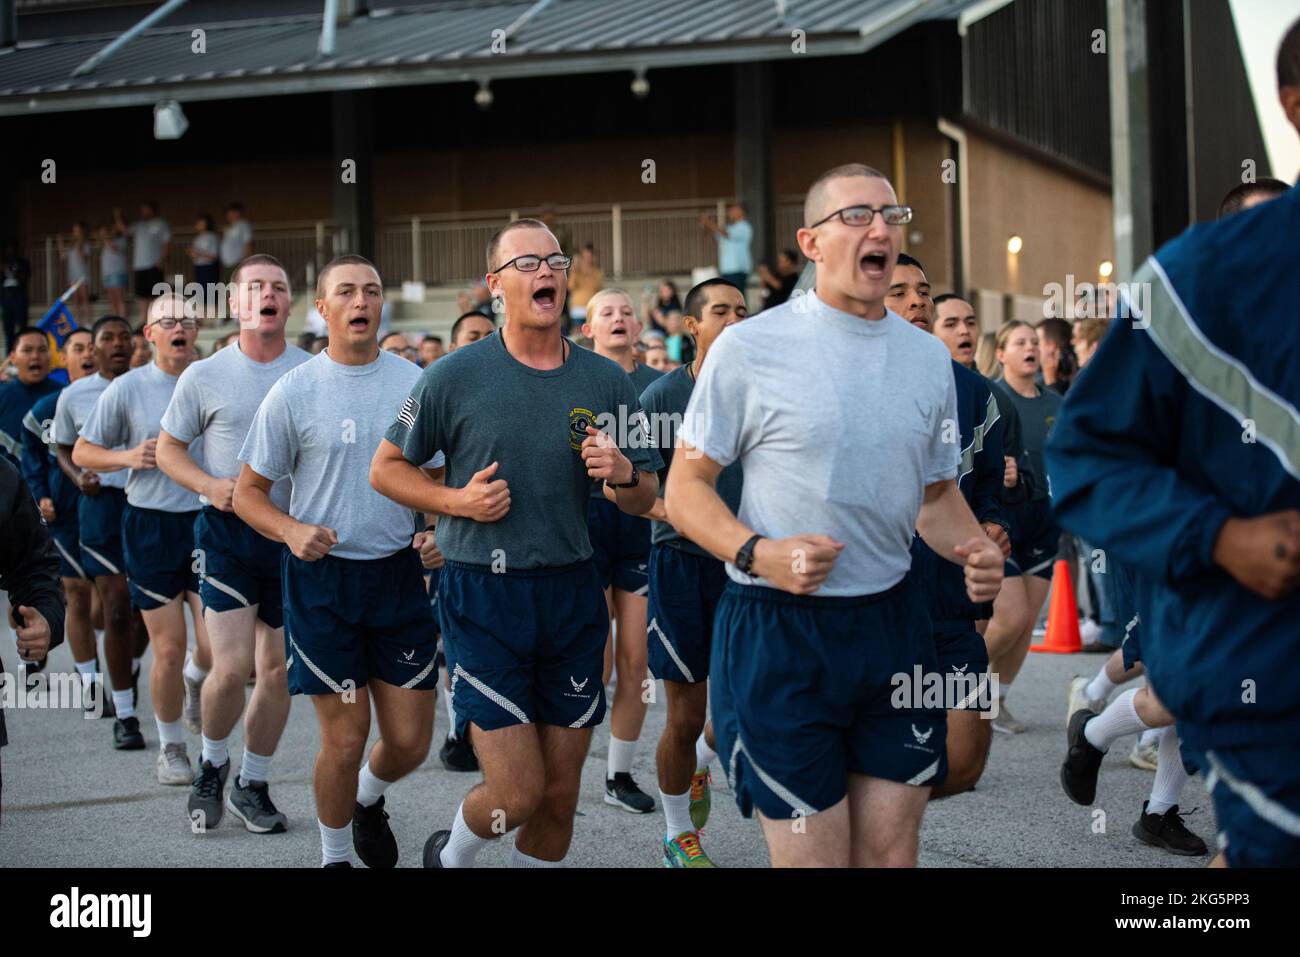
(677,813)
(335,843)
(519,859)
(215,752)
(704,755)
(193,671)
(1100,687)
(169,732)
(370,788)
(620,756)
(124,703)
(1170,774)
(1119,718)
(253,768)
(463,845)
(87,671)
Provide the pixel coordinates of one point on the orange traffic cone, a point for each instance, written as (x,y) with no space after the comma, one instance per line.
(1062,615)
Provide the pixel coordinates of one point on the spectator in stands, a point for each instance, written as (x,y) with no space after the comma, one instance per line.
(666,300)
(1088,334)
(75,254)
(561,233)
(585,279)
(152,242)
(779,283)
(1058,364)
(430,350)
(734,258)
(203,253)
(113,274)
(17,272)
(236,239)
(679,345)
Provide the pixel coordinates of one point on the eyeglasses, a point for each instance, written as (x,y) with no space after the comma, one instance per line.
(557,261)
(170,323)
(863,215)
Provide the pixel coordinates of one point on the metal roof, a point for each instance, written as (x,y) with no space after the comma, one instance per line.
(439,43)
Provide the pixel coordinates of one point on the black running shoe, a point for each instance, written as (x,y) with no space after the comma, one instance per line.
(372,838)
(126,734)
(1082,762)
(433,848)
(456,754)
(1168,831)
(621,791)
(338,864)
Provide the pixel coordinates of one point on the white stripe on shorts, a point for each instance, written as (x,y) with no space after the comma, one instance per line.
(773,785)
(112,569)
(423,674)
(222,586)
(672,652)
(154,595)
(923,776)
(498,699)
(81,572)
(595,700)
(1280,817)
(330,682)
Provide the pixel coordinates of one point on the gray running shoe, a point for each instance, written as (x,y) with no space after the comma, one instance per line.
(192,714)
(205,804)
(252,805)
(174,765)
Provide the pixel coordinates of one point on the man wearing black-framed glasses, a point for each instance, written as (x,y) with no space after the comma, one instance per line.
(157,522)
(815,626)
(523,615)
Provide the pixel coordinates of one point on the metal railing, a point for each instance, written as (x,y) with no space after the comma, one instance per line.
(630,239)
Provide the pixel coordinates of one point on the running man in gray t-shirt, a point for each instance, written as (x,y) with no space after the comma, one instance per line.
(523,618)
(157,523)
(844,417)
(239,571)
(358,625)
(686,584)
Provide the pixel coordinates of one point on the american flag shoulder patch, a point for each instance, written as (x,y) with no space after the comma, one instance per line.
(410,409)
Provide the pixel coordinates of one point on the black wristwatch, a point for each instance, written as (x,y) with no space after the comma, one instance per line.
(636,480)
(745,555)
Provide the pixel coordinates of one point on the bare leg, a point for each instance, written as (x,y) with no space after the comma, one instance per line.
(514,777)
(969,737)
(344,727)
(77,625)
(815,840)
(886,821)
(166,627)
(627,714)
(405,729)
(675,757)
(548,832)
(202,645)
(268,706)
(118,635)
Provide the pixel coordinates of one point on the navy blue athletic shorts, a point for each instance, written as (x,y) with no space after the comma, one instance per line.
(99,521)
(1256,793)
(525,646)
(159,551)
(803,695)
(1035,540)
(685,589)
(620,546)
(964,664)
(238,568)
(348,621)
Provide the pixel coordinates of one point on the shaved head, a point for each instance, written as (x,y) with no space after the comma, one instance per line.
(814,206)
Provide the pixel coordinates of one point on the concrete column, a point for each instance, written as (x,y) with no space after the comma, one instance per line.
(354,202)
(752,97)
(1130,134)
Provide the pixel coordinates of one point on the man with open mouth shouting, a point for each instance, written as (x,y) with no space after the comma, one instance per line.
(523,618)
(840,413)
(158,520)
(239,580)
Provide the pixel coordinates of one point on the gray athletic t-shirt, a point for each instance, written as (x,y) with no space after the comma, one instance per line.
(479,405)
(217,399)
(1037,416)
(664,402)
(840,424)
(72,410)
(319,426)
(641,377)
(129,412)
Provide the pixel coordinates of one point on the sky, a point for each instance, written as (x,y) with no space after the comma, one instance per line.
(1260,25)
